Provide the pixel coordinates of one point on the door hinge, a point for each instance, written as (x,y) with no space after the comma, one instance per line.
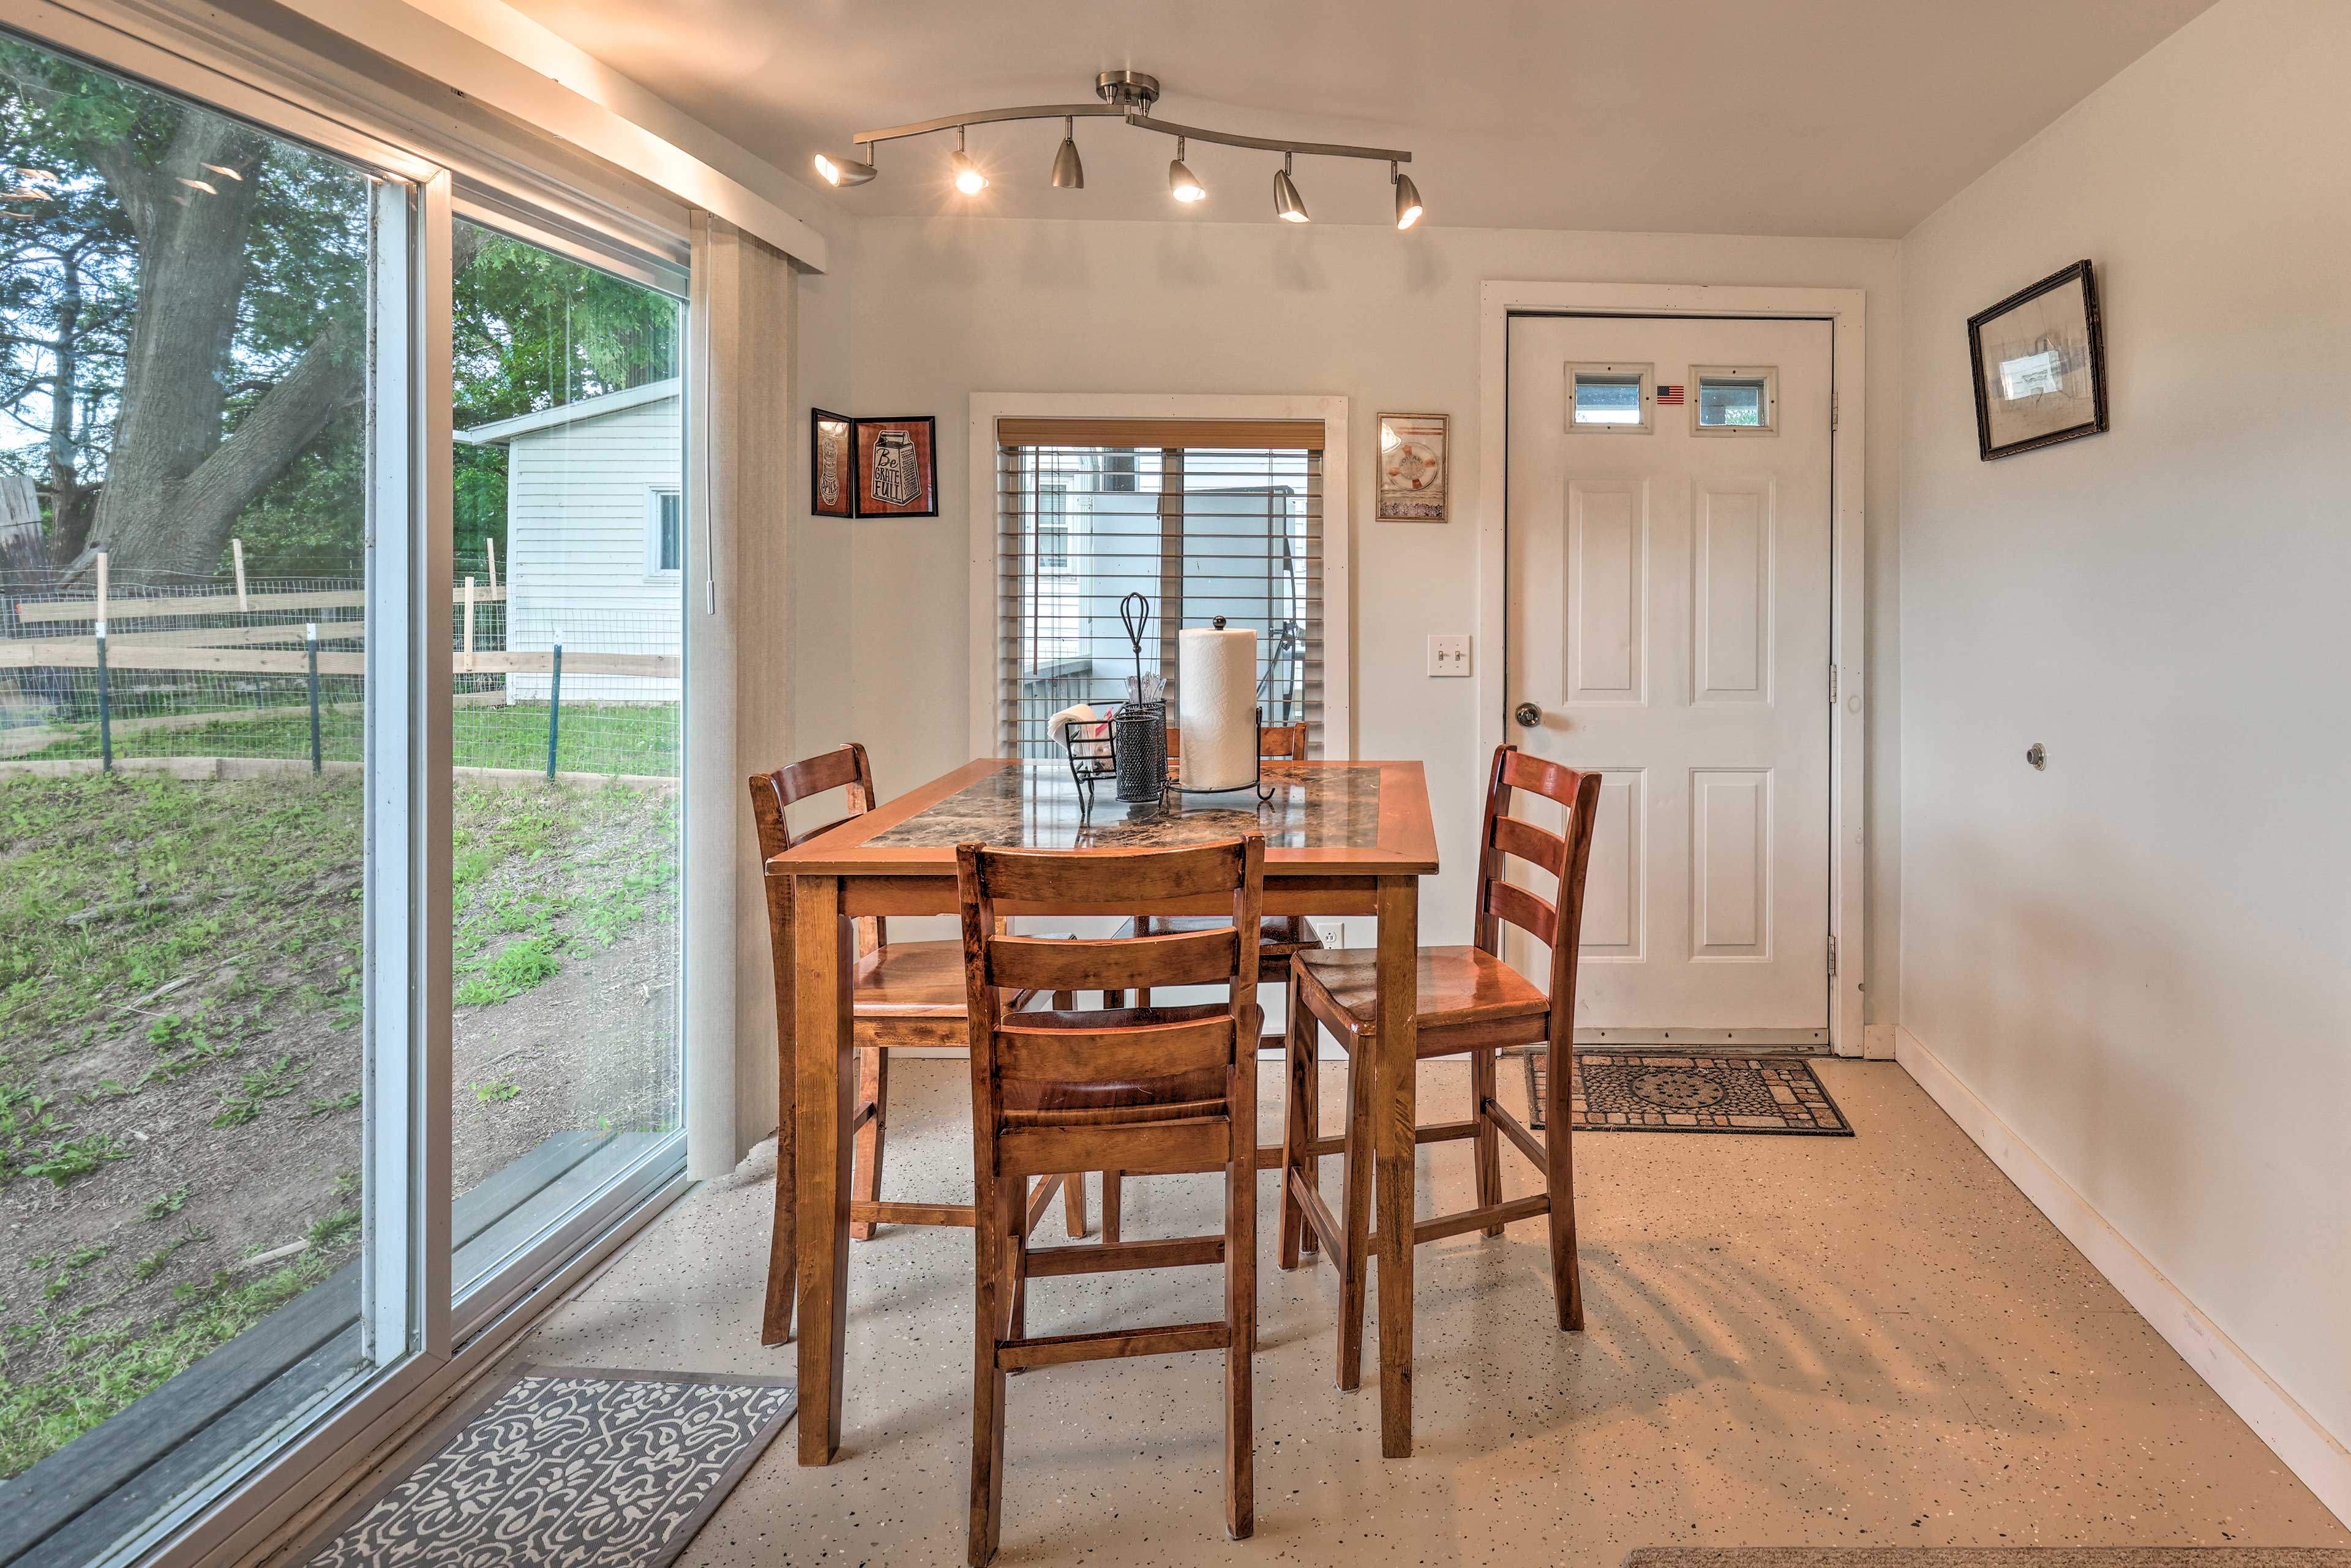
(1833,411)
(1832,680)
(1831,958)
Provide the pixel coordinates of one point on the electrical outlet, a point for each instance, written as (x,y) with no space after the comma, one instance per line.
(1449,655)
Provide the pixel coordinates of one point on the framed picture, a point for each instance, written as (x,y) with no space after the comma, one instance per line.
(2040,365)
(1416,468)
(830,462)
(896,472)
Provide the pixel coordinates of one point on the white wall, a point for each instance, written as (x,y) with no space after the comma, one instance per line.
(2138,960)
(944,307)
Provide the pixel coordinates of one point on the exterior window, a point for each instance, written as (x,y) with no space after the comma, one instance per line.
(1735,400)
(1605,399)
(664,531)
(1199,532)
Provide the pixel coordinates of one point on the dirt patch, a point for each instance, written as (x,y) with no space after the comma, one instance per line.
(181,1048)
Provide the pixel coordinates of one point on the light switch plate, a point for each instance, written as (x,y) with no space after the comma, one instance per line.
(1449,655)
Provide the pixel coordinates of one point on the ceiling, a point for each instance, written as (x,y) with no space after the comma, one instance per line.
(1778,117)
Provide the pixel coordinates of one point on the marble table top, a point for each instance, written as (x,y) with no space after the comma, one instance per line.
(1034,805)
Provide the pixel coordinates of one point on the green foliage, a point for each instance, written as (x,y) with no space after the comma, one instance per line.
(518,966)
(153,1263)
(491,1094)
(274,1081)
(168,1203)
(70,1159)
(349,1102)
(334,1230)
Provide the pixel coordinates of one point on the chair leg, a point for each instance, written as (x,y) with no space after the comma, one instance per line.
(783,1238)
(1566,1277)
(991,1314)
(1488,1144)
(1297,1130)
(1309,1243)
(1240,1303)
(866,1167)
(1073,1203)
(1356,1199)
(1111,1215)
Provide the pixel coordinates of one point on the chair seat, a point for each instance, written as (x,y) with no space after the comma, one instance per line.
(910,980)
(1458,986)
(1278,935)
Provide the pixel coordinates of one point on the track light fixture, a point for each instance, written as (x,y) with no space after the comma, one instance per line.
(1288,205)
(1068,174)
(1128,95)
(968,179)
(1407,198)
(838,172)
(1180,182)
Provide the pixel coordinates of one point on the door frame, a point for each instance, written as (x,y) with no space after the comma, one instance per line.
(1845,310)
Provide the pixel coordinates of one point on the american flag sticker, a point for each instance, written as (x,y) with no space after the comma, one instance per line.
(1669,397)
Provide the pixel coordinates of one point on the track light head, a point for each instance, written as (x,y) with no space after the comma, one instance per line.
(1288,205)
(1180,182)
(1069,173)
(969,177)
(842,171)
(1407,198)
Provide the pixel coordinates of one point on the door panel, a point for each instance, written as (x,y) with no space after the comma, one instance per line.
(1668,613)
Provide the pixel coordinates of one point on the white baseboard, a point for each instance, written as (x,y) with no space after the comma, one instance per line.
(1877,1042)
(2308,1449)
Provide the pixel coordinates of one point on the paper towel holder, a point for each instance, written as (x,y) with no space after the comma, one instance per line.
(1257,783)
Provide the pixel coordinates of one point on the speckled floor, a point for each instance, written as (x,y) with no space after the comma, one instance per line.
(1872,1340)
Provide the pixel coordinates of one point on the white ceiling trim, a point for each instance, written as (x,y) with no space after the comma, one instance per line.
(491,52)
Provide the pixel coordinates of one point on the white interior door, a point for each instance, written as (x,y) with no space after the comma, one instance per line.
(1669,529)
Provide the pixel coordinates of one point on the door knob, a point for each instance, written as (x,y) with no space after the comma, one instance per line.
(1527,714)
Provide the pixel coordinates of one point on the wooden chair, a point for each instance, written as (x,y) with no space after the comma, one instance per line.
(1281,937)
(904,993)
(1471,1002)
(1138,1089)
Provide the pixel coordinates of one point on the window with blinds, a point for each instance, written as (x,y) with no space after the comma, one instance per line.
(1202,518)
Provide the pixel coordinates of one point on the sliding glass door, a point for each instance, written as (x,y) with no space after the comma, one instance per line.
(202,506)
(339,788)
(570,541)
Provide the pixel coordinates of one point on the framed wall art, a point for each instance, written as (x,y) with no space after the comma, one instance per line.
(1416,468)
(2040,365)
(831,466)
(897,468)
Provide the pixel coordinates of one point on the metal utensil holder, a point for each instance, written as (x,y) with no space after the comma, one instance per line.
(1128,745)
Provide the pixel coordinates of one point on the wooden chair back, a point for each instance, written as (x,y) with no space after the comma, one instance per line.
(1556,922)
(773,794)
(1275,742)
(1135,1088)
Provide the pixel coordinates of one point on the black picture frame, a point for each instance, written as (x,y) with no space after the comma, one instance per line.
(922,447)
(827,427)
(2065,354)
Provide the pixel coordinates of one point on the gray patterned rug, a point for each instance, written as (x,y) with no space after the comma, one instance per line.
(1669,1091)
(552,1465)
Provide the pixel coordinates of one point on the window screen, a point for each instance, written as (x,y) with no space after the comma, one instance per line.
(1735,400)
(1202,518)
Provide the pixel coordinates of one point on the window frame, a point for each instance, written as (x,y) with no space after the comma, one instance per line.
(1648,375)
(1768,375)
(654,496)
(1339,739)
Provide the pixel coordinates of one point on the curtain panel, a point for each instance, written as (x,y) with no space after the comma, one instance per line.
(741,462)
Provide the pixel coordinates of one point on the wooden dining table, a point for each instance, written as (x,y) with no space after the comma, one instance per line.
(1342,837)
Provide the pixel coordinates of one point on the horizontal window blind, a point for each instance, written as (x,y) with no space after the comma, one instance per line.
(1202,518)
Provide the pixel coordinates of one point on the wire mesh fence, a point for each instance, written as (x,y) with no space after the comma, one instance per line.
(274,669)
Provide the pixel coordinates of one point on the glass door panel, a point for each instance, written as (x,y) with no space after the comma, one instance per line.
(189,539)
(566,624)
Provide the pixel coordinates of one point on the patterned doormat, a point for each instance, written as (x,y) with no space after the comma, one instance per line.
(1637,1091)
(575,1466)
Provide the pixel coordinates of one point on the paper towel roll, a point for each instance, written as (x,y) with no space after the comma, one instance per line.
(1215,706)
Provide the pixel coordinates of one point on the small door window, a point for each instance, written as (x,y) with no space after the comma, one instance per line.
(1610,399)
(1735,400)
(664,531)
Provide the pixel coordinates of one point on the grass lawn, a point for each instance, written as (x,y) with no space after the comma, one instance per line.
(181,1064)
(591,737)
